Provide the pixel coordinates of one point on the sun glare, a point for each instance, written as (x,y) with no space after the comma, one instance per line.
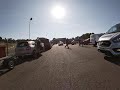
(58,12)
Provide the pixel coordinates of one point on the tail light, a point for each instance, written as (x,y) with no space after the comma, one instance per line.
(28,48)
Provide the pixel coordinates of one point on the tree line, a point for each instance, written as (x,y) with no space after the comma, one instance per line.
(83,36)
(5,40)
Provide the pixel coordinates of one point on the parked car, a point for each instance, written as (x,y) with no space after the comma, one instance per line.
(109,43)
(25,48)
(60,43)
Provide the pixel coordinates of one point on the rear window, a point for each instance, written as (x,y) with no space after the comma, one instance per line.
(31,43)
(45,40)
(22,44)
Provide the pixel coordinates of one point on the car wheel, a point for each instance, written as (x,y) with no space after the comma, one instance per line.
(11,64)
(34,54)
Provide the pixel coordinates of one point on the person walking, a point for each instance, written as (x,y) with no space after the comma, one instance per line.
(82,43)
(79,41)
(67,42)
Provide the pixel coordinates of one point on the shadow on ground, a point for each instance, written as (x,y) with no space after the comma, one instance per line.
(68,48)
(85,46)
(4,70)
(114,60)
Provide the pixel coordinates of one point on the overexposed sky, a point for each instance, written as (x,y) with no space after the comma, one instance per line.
(81,16)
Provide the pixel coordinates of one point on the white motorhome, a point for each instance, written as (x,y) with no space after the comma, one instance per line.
(94,38)
(109,44)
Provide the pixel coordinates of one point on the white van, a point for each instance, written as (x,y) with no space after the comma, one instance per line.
(109,43)
(94,38)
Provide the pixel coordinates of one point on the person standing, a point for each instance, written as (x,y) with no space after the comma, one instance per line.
(82,43)
(79,41)
(67,42)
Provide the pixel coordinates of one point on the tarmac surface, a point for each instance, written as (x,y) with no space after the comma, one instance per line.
(77,68)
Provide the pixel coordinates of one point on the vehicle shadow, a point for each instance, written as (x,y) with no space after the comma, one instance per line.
(85,46)
(4,70)
(46,50)
(27,59)
(114,60)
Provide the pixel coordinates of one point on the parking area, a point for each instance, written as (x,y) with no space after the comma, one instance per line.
(76,68)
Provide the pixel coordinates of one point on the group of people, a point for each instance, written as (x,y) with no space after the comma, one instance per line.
(67,43)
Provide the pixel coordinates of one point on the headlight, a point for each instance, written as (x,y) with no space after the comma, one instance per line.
(116,39)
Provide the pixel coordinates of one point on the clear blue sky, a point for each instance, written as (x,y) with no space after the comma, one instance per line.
(82,16)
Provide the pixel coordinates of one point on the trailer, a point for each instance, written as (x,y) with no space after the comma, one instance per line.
(7,61)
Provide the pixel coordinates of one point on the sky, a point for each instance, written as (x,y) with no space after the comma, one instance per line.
(81,16)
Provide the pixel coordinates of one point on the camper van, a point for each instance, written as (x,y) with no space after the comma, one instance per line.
(94,39)
(109,43)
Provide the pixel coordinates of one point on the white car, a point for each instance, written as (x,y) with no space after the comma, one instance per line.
(109,43)
(25,48)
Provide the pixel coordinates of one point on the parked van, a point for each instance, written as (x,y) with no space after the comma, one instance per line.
(46,42)
(94,39)
(109,44)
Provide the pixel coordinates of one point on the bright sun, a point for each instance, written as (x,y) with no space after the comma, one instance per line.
(58,12)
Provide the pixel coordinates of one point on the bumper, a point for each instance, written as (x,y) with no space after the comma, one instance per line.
(111,50)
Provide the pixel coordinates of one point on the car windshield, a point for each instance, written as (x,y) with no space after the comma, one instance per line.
(31,43)
(22,44)
(114,29)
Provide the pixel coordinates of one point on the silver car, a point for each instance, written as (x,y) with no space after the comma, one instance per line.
(109,44)
(25,48)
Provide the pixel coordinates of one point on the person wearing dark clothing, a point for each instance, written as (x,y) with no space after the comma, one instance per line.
(82,42)
(79,42)
(67,42)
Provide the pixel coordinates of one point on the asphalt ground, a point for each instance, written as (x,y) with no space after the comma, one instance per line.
(76,68)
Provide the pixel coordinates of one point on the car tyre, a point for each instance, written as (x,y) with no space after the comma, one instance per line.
(10,64)
(35,55)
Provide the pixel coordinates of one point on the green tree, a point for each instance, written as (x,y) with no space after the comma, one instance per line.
(0,39)
(86,36)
